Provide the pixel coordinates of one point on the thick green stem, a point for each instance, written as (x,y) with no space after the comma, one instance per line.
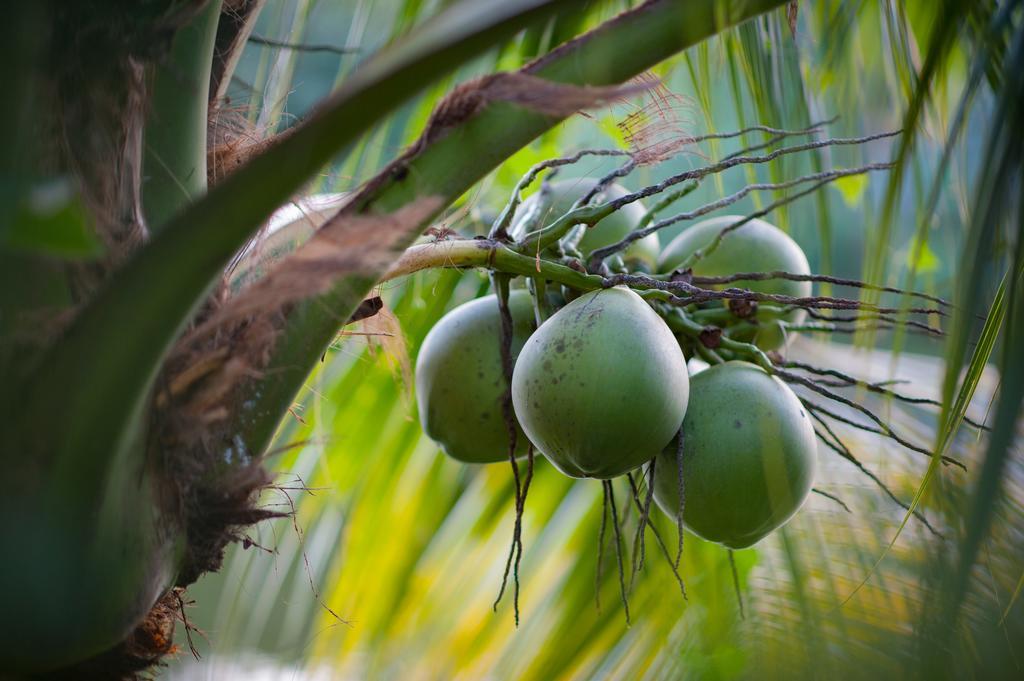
(584,215)
(614,52)
(497,257)
(174,170)
(492,255)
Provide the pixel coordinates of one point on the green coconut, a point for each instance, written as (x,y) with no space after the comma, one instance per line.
(757,246)
(640,254)
(601,387)
(748,456)
(459,381)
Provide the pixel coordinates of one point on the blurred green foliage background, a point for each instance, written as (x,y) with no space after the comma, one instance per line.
(396,553)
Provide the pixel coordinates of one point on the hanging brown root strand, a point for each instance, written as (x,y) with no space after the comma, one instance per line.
(883,428)
(681,489)
(736,584)
(837,446)
(832,497)
(823,278)
(684,293)
(637,535)
(618,548)
(600,545)
(646,515)
(518,531)
(505,574)
(515,554)
(499,283)
(639,544)
(851,381)
(657,536)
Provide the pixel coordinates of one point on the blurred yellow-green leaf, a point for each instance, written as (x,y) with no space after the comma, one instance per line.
(852,188)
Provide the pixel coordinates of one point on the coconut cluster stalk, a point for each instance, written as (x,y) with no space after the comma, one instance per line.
(676,296)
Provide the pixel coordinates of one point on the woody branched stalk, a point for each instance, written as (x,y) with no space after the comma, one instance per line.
(547,252)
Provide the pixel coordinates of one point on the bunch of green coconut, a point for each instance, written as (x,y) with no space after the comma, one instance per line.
(602,386)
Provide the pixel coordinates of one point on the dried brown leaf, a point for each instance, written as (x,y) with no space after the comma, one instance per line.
(347,244)
(234,343)
(540,95)
(384,334)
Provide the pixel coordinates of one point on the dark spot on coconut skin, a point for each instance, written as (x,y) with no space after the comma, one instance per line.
(736,424)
